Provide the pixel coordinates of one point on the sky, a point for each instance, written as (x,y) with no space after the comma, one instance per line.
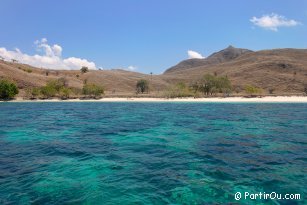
(142,35)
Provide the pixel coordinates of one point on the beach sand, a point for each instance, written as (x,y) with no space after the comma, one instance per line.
(267,99)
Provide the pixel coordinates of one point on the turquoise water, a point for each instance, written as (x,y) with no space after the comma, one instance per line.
(151,153)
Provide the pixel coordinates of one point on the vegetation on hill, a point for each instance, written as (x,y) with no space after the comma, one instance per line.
(59,88)
(208,85)
(251,90)
(53,88)
(84,69)
(28,70)
(142,86)
(92,90)
(211,85)
(8,89)
(273,72)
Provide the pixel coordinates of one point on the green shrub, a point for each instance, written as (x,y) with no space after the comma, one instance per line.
(54,87)
(251,90)
(8,89)
(29,70)
(92,90)
(48,91)
(57,84)
(65,92)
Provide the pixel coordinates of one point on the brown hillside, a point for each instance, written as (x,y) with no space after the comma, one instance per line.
(222,56)
(284,70)
(116,82)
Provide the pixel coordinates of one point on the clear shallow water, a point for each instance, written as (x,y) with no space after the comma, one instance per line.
(151,153)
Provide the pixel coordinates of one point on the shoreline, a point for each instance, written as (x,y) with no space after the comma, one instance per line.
(265,99)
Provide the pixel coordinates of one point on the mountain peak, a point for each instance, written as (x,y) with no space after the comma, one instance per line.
(230,47)
(228,53)
(222,56)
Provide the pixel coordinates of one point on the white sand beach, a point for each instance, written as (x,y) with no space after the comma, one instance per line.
(267,99)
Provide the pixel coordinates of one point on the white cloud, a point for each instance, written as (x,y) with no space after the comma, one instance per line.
(129,68)
(194,54)
(57,50)
(51,57)
(132,68)
(273,21)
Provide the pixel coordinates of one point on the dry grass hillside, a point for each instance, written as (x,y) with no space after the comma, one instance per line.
(115,82)
(284,70)
(222,56)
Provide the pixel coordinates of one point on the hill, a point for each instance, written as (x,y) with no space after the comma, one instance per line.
(224,55)
(116,82)
(283,70)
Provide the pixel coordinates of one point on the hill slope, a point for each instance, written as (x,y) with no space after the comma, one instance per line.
(224,55)
(117,82)
(284,70)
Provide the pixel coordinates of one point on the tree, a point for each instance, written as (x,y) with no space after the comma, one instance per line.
(195,87)
(208,84)
(84,69)
(223,85)
(211,84)
(1,58)
(8,89)
(92,90)
(142,86)
(14,61)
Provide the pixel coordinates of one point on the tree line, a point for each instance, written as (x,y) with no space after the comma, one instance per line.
(208,85)
(59,88)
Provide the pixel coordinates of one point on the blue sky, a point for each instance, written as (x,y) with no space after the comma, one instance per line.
(148,35)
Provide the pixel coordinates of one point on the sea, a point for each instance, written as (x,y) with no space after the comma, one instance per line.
(153,153)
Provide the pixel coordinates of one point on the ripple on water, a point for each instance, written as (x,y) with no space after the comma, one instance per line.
(150,153)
